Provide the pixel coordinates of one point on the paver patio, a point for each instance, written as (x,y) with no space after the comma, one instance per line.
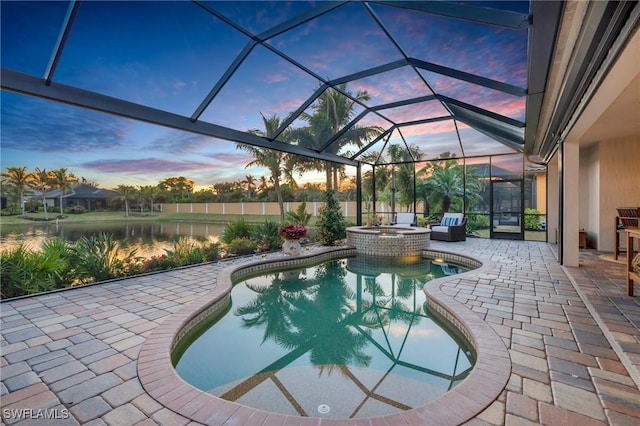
(572,334)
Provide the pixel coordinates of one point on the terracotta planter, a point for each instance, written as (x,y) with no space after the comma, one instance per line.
(292,247)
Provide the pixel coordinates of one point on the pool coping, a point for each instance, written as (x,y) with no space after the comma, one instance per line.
(477,391)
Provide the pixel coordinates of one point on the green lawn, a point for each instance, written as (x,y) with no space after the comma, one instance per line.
(84,217)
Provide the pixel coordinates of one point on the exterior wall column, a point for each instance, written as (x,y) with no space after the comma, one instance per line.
(570,203)
(553,200)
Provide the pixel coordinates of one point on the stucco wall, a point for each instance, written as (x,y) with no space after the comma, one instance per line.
(589,193)
(619,184)
(541,193)
(256,208)
(552,199)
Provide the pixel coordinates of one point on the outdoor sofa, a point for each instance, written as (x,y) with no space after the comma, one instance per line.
(451,228)
(405,219)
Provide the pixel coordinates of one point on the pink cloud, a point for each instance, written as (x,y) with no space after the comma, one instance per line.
(287,106)
(144,165)
(239,158)
(276,78)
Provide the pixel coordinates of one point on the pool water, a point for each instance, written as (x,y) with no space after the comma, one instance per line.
(345,338)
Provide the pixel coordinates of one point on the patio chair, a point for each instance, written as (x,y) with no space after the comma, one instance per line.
(405,219)
(451,228)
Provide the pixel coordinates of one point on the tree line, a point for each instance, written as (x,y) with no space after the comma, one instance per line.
(18,184)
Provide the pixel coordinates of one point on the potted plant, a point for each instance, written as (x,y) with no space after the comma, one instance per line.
(292,235)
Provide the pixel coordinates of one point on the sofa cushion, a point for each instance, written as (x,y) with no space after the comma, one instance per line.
(405,218)
(440,228)
(451,219)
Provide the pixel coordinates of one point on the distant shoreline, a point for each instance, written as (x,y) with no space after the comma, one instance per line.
(118,216)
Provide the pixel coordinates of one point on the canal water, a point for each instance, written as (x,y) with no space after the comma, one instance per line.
(149,238)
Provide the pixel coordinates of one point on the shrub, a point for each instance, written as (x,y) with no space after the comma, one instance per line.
(211,251)
(100,258)
(31,206)
(57,248)
(241,246)
(17,272)
(60,264)
(267,235)
(300,216)
(238,229)
(186,251)
(477,221)
(532,220)
(12,210)
(23,271)
(76,210)
(330,226)
(159,263)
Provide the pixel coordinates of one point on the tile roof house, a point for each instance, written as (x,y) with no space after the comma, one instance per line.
(87,196)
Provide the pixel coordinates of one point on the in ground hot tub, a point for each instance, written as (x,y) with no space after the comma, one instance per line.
(388,241)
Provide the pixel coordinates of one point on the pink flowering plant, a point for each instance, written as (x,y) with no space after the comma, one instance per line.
(293,232)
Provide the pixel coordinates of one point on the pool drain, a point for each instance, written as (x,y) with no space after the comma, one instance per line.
(323,408)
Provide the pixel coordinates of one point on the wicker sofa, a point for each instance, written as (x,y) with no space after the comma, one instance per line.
(451,228)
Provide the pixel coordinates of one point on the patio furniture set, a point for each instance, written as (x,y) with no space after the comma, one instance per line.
(452,227)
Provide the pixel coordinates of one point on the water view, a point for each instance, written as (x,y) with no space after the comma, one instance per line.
(149,238)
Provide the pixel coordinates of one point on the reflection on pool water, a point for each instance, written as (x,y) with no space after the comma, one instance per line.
(345,338)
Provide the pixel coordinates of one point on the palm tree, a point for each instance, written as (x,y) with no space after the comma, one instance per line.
(141,195)
(264,185)
(221,189)
(63,182)
(19,180)
(250,183)
(148,193)
(402,174)
(333,111)
(180,188)
(42,183)
(446,179)
(424,189)
(269,158)
(126,193)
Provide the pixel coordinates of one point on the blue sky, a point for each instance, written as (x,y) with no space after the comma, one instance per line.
(169,55)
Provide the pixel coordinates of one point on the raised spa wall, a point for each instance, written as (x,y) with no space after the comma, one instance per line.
(388,241)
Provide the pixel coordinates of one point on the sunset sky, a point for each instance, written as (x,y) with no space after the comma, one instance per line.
(169,55)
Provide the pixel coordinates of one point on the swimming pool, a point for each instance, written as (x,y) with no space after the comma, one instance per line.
(345,338)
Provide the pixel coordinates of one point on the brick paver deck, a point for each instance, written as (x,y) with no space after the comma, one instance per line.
(571,333)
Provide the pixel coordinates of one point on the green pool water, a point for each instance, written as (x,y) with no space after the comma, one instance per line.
(345,338)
